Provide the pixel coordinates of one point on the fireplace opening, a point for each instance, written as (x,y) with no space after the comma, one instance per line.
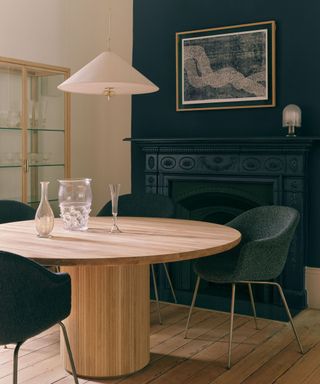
(218,202)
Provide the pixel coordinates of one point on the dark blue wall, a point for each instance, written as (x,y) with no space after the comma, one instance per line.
(297,73)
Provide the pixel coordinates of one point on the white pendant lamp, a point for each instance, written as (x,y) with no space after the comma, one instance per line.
(109,75)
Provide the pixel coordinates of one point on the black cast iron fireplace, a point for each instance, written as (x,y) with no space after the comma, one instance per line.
(217,179)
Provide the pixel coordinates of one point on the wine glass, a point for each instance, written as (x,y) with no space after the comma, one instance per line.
(114,190)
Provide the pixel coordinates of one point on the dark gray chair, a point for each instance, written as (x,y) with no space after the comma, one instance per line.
(12,210)
(267,233)
(145,205)
(32,299)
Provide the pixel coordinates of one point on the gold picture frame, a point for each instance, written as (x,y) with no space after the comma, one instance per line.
(226,67)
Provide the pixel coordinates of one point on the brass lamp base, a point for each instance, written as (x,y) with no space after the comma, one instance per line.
(291,131)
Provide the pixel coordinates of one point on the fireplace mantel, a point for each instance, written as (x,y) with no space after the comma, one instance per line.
(274,141)
(277,161)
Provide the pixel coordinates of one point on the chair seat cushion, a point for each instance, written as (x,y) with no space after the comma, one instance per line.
(219,268)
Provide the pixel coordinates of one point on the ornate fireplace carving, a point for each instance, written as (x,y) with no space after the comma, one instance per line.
(279,163)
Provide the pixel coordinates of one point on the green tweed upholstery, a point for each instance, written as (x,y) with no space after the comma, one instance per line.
(146,205)
(32,298)
(267,233)
(12,210)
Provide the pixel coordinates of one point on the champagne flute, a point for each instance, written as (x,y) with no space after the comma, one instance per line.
(114,190)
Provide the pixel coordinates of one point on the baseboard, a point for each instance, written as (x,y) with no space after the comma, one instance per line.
(312,276)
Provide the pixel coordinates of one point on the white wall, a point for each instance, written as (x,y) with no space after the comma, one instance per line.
(312,276)
(70,33)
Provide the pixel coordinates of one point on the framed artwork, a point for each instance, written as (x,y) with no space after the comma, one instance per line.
(226,67)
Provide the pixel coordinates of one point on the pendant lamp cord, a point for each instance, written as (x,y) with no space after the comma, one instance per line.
(109,31)
(109,91)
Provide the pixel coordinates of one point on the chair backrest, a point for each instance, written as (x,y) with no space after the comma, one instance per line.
(31,298)
(264,221)
(12,210)
(267,233)
(147,205)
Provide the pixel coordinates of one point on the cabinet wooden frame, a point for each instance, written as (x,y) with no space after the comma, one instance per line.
(26,68)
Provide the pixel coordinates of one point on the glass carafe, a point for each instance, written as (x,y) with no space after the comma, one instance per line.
(44,218)
(75,198)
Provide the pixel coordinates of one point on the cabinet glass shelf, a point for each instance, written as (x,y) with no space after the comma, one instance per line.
(34,129)
(45,130)
(10,129)
(10,166)
(45,165)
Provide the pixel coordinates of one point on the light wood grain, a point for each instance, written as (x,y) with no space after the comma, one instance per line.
(177,360)
(110,320)
(142,241)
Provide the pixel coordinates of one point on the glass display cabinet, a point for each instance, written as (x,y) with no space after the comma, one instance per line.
(34,130)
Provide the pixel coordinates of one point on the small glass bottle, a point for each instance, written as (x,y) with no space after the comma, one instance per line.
(44,218)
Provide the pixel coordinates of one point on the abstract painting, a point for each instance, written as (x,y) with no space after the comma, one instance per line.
(226,67)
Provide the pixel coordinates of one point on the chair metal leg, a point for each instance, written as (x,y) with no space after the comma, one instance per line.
(15,362)
(156,292)
(253,305)
(192,305)
(66,339)
(284,301)
(233,295)
(169,281)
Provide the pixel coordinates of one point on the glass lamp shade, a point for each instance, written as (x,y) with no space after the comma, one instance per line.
(108,74)
(291,116)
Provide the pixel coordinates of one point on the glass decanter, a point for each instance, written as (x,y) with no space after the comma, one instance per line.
(75,198)
(114,190)
(44,218)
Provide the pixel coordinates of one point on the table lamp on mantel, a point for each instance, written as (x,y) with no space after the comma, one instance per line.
(291,118)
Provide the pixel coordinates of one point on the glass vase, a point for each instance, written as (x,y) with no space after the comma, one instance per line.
(75,198)
(44,218)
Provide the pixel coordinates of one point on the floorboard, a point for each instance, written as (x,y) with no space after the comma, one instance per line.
(268,355)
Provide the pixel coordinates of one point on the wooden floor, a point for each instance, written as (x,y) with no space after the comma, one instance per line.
(264,356)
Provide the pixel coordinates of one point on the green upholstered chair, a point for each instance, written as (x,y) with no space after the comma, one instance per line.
(145,205)
(32,299)
(267,233)
(12,210)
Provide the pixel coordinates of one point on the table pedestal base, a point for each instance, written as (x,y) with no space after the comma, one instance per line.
(109,324)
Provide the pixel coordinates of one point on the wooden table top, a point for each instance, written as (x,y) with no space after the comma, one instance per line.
(142,241)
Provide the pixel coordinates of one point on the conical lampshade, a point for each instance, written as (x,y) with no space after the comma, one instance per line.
(108,74)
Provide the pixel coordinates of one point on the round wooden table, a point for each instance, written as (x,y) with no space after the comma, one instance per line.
(109,325)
